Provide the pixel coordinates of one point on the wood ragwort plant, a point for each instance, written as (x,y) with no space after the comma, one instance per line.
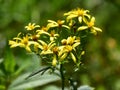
(59,42)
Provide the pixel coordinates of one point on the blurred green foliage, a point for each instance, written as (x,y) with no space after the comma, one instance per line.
(101,63)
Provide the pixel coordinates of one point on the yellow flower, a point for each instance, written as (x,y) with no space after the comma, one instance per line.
(55,50)
(53,35)
(31,26)
(71,41)
(44,28)
(13,43)
(22,42)
(90,25)
(35,37)
(59,23)
(46,48)
(65,51)
(68,45)
(81,14)
(39,32)
(71,23)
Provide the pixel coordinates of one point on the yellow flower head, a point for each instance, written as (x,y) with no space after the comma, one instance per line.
(90,25)
(35,37)
(23,42)
(68,45)
(20,42)
(64,42)
(65,51)
(59,23)
(71,41)
(44,28)
(55,50)
(31,26)
(81,14)
(46,48)
(68,48)
(53,35)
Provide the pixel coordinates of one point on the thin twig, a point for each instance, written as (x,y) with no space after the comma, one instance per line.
(41,70)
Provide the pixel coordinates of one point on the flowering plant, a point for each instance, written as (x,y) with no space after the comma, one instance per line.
(60,41)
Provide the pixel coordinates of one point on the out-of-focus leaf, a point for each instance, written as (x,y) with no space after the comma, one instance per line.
(117,85)
(1,73)
(21,11)
(36,62)
(2,87)
(21,68)
(85,87)
(21,83)
(9,61)
(51,88)
(85,79)
(1,60)
(31,63)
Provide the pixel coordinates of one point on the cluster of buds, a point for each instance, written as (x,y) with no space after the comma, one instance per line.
(59,41)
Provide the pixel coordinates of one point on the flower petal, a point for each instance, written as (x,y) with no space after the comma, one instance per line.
(80,19)
(82,28)
(97,29)
(76,44)
(51,21)
(66,26)
(71,16)
(73,57)
(54,61)
(63,56)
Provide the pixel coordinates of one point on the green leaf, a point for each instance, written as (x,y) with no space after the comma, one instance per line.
(21,83)
(85,87)
(9,61)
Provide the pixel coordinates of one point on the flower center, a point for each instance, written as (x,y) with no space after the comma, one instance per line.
(34,37)
(60,23)
(45,48)
(64,42)
(68,48)
(80,12)
(52,33)
(44,28)
(55,50)
(90,24)
(25,41)
(70,40)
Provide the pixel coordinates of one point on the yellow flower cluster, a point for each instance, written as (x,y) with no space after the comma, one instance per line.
(60,40)
(84,18)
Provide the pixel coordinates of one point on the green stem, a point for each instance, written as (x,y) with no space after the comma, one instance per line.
(62,76)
